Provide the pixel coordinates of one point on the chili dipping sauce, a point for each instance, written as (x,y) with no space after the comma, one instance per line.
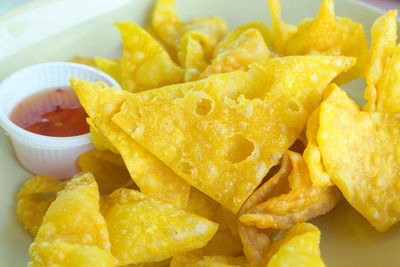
(54,112)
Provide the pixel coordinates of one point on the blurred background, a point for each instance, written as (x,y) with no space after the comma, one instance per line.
(383,4)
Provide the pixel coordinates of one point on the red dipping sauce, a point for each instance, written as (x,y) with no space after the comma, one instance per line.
(53,112)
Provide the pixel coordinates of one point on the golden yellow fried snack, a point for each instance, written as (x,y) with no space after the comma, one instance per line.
(328,36)
(191,56)
(215,261)
(389,87)
(302,202)
(213,132)
(234,35)
(256,243)
(98,139)
(248,48)
(170,29)
(303,78)
(298,246)
(223,243)
(108,169)
(84,60)
(360,151)
(202,205)
(383,42)
(73,231)
(145,64)
(312,155)
(143,229)
(148,172)
(281,32)
(111,67)
(34,197)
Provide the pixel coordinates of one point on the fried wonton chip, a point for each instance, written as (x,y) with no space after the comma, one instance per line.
(220,133)
(164,263)
(34,197)
(98,139)
(328,36)
(73,226)
(312,155)
(389,87)
(202,205)
(191,56)
(303,77)
(170,29)
(256,243)
(383,43)
(108,169)
(223,242)
(248,48)
(145,64)
(148,172)
(214,261)
(298,246)
(361,152)
(111,67)
(84,60)
(302,202)
(281,32)
(234,35)
(143,229)
(58,253)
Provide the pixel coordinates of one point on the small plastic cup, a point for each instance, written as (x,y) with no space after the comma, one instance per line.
(39,154)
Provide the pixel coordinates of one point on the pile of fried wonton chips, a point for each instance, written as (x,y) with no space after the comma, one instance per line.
(220,146)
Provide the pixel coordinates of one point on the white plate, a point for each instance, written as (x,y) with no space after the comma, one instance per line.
(45,30)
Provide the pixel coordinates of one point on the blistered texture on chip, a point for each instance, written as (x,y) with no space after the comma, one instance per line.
(256,242)
(222,134)
(328,36)
(108,169)
(143,229)
(191,56)
(73,226)
(58,253)
(234,35)
(145,64)
(214,261)
(383,42)
(312,155)
(111,67)
(34,197)
(170,29)
(361,152)
(304,79)
(302,202)
(98,139)
(281,32)
(84,60)
(248,48)
(389,86)
(298,246)
(148,172)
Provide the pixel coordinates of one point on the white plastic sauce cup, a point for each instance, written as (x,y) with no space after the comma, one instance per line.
(39,154)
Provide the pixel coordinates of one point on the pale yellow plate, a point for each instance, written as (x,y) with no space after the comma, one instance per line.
(45,30)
